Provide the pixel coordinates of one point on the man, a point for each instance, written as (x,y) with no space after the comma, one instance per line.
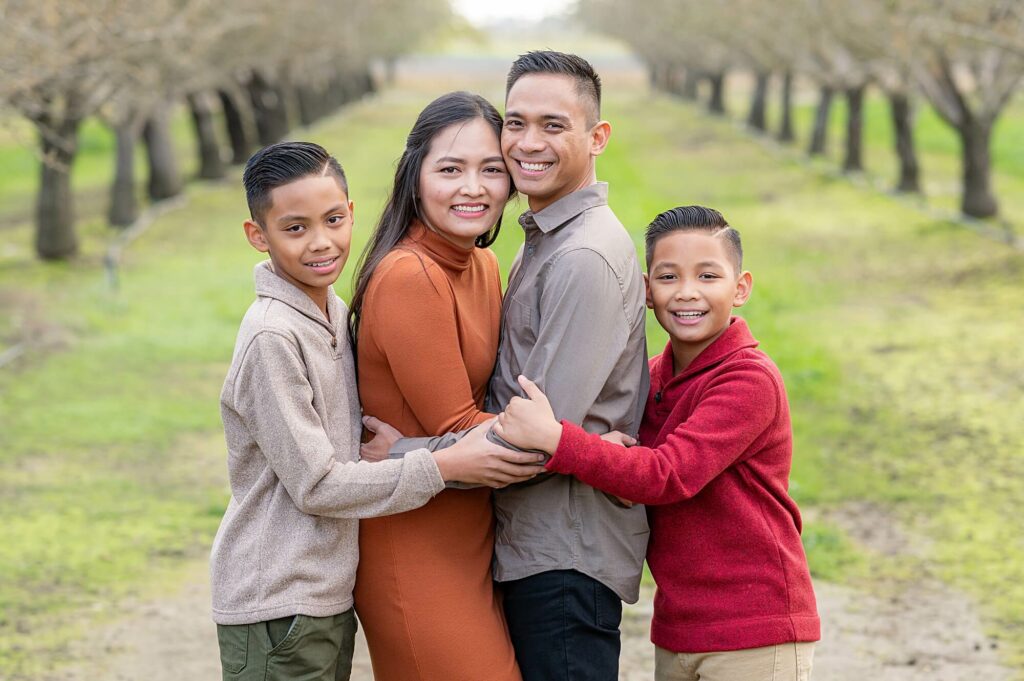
(567,555)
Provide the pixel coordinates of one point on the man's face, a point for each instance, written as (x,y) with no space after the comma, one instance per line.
(307,231)
(547,142)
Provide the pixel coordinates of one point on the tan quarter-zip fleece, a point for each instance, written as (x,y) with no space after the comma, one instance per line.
(289,540)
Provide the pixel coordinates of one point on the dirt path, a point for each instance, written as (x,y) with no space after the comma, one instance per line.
(924,633)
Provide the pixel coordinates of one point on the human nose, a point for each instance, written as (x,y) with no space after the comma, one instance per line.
(318,239)
(687,290)
(471,185)
(530,140)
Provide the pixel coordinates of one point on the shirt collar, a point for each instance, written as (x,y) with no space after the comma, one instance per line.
(566,208)
(271,285)
(735,338)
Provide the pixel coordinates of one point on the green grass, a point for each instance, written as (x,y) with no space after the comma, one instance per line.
(896,335)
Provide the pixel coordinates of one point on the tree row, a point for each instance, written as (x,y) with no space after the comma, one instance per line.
(964,57)
(248,72)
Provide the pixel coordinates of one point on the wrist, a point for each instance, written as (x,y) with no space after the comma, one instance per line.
(552,435)
(445,465)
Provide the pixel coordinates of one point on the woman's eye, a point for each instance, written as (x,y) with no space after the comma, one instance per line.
(495,170)
(450,170)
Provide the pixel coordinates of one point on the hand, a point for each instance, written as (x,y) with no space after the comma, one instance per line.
(476,460)
(615,437)
(385,437)
(530,423)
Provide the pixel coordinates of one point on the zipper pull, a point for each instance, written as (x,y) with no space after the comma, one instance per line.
(657,397)
(334,342)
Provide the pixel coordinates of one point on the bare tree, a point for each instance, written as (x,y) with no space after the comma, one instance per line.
(961,56)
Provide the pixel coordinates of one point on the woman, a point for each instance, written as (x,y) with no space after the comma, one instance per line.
(425,316)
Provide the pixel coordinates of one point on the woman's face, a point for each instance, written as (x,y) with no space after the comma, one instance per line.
(463,182)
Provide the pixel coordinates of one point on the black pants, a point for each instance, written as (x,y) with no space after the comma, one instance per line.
(564,627)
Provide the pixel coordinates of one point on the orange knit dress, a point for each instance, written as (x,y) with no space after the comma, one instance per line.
(428,338)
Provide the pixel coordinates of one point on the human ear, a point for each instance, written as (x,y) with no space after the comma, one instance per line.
(599,136)
(744,287)
(647,292)
(256,236)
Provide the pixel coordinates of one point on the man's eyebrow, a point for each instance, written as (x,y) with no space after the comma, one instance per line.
(292,218)
(547,117)
(710,263)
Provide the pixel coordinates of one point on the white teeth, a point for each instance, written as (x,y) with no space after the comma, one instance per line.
(326,263)
(688,315)
(470,209)
(535,167)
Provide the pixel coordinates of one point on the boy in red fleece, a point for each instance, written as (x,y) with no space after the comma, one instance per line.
(734,599)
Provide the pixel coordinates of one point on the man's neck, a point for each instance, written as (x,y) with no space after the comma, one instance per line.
(537,204)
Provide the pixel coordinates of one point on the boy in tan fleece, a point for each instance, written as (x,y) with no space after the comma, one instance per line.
(284,560)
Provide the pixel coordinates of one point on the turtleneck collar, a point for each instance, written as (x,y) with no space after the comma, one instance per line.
(443,251)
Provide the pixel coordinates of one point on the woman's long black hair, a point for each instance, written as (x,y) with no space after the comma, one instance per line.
(402,205)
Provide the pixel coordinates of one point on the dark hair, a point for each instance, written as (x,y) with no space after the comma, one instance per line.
(588,83)
(694,219)
(402,205)
(281,163)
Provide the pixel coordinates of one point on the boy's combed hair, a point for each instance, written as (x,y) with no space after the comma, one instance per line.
(588,83)
(694,219)
(278,164)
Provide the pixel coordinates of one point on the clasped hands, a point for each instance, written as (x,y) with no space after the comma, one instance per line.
(527,423)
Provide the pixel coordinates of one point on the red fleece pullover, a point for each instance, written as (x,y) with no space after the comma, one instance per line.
(713,465)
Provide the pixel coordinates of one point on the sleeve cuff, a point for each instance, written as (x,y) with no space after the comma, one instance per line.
(565,458)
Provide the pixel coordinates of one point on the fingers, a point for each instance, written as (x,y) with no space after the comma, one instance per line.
(531,389)
(373,424)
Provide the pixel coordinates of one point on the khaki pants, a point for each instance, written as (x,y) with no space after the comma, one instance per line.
(784,662)
(299,648)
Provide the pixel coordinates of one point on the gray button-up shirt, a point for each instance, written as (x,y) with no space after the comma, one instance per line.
(573,322)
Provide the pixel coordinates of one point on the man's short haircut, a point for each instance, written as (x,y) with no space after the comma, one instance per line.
(695,219)
(282,163)
(588,83)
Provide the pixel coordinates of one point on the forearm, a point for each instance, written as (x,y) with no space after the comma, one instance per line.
(645,475)
(366,490)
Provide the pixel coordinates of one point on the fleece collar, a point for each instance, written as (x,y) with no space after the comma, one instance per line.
(270,285)
(737,337)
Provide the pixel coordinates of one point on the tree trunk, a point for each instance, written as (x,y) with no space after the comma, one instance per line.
(756,117)
(269,110)
(786,123)
(55,214)
(164,178)
(854,161)
(691,79)
(978,200)
(308,104)
(716,103)
(241,147)
(211,163)
(819,136)
(124,206)
(903,132)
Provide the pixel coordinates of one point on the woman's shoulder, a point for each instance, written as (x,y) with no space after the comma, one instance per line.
(403,263)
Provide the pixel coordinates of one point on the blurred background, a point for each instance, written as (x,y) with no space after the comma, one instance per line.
(871,154)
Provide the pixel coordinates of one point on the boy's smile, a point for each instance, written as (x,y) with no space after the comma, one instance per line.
(692,287)
(307,231)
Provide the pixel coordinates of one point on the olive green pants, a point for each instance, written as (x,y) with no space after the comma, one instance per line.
(299,648)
